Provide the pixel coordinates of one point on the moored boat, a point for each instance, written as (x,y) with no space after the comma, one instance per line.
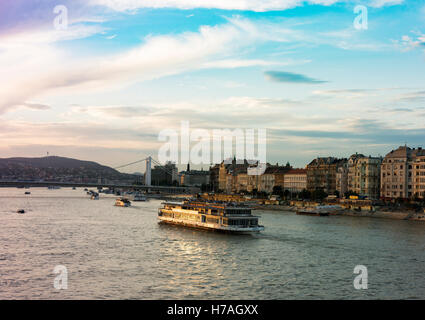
(122,202)
(210,216)
(319,210)
(139,197)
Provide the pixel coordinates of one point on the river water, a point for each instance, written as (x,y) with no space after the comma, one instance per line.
(123,253)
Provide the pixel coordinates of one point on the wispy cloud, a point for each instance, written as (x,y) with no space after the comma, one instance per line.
(159,56)
(411,42)
(251,5)
(282,76)
(246,5)
(383,3)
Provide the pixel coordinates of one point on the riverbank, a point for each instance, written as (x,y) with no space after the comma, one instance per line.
(380,214)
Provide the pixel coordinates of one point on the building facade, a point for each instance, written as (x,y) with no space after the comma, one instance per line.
(321,174)
(403,174)
(342,179)
(165,175)
(418,175)
(295,180)
(364,175)
(194,178)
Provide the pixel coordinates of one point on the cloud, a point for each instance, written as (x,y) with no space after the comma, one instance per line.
(159,56)
(238,63)
(243,5)
(36,106)
(416,96)
(249,5)
(282,76)
(383,3)
(21,15)
(54,70)
(408,43)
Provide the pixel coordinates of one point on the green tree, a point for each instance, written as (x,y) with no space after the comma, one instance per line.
(319,195)
(304,194)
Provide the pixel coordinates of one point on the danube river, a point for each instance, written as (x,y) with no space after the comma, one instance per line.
(122,253)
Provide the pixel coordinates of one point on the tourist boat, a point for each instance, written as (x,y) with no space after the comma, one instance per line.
(210,216)
(319,210)
(122,202)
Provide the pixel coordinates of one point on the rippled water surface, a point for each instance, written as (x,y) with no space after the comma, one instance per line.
(122,253)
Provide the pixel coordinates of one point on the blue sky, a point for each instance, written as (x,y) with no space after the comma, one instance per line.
(123,71)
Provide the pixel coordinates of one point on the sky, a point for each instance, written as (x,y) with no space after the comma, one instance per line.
(103,86)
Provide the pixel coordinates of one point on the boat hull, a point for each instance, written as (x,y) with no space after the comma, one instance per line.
(210,226)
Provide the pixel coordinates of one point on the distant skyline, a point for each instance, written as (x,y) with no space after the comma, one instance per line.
(122,71)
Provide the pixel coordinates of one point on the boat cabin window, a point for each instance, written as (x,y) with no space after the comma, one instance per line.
(238,211)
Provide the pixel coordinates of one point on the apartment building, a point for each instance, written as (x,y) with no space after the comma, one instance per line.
(403,173)
(295,180)
(364,175)
(321,174)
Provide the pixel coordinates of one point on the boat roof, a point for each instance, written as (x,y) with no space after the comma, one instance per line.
(208,204)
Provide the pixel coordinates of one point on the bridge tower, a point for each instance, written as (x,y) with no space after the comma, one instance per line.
(148,176)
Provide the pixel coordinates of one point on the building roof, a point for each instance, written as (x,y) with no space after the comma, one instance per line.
(297,171)
(326,161)
(277,170)
(401,152)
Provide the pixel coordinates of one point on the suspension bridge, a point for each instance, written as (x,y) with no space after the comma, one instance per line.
(147,186)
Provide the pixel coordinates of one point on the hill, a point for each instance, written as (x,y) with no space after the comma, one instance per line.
(58,169)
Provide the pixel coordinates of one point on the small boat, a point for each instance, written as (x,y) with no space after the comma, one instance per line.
(21,211)
(139,197)
(95,196)
(122,202)
(27,192)
(319,210)
(74,188)
(85,189)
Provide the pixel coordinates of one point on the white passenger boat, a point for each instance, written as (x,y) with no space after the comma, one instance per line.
(210,216)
